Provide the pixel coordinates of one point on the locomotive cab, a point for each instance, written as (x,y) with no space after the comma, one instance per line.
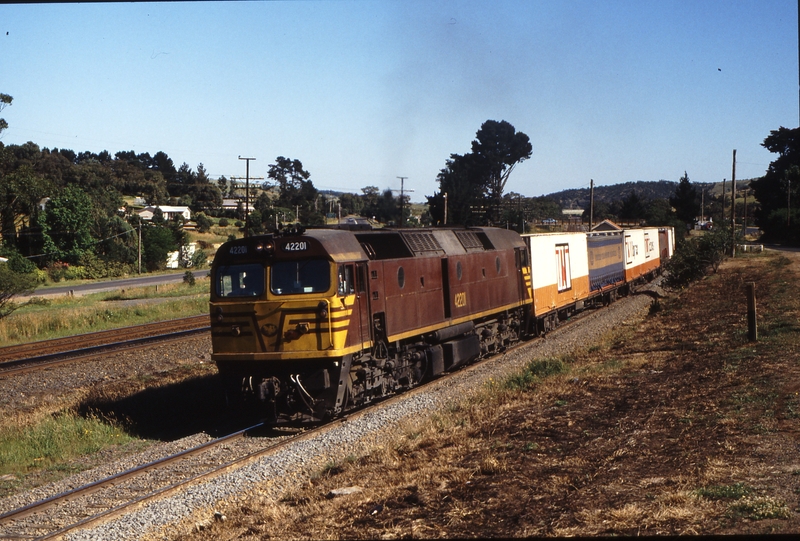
(286,314)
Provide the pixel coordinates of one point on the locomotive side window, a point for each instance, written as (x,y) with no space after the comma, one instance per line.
(240,280)
(307,276)
(345,274)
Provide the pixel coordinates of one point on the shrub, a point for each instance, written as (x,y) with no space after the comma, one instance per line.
(223,222)
(204,223)
(695,257)
(188,278)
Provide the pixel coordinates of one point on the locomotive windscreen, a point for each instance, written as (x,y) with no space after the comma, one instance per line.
(245,280)
(304,276)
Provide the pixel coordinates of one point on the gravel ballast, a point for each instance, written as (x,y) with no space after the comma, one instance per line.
(275,475)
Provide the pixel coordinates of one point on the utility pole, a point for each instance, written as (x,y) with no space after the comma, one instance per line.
(140,247)
(733,206)
(722,222)
(744,224)
(591,202)
(402,201)
(445,206)
(247,198)
(703,205)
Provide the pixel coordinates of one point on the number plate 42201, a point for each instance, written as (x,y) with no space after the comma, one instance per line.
(295,246)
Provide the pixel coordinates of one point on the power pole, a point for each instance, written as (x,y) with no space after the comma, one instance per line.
(722,222)
(591,202)
(140,247)
(733,206)
(247,198)
(402,200)
(445,204)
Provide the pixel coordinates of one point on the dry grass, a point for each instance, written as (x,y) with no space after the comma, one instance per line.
(675,425)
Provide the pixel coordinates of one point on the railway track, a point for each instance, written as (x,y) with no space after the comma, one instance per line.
(119,494)
(81,507)
(47,353)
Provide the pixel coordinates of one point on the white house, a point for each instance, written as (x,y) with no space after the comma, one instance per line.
(169,212)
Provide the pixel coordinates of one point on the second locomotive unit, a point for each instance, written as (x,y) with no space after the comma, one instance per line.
(308,324)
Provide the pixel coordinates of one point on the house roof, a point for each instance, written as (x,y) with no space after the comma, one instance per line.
(606,225)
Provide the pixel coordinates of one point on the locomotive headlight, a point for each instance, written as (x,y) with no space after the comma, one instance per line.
(322,310)
(219,313)
(265,247)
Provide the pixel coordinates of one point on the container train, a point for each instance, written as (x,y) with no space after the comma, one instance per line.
(307,324)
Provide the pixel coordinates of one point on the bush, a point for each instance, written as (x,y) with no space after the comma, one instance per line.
(223,222)
(204,223)
(188,278)
(199,259)
(695,257)
(239,223)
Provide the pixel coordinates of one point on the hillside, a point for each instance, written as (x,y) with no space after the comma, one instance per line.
(647,190)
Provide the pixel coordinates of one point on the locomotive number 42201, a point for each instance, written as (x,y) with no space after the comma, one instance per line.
(298,246)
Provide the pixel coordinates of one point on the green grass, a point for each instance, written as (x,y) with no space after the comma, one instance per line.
(533,373)
(65,316)
(52,443)
(724,492)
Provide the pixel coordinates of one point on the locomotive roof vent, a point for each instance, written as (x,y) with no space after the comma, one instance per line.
(422,241)
(474,241)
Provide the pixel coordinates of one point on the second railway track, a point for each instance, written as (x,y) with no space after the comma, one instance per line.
(46,353)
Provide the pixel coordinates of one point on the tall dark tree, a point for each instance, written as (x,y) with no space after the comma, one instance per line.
(288,175)
(685,201)
(499,147)
(471,179)
(778,191)
(632,208)
(461,192)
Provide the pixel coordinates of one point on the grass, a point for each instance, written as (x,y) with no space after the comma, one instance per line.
(65,316)
(55,441)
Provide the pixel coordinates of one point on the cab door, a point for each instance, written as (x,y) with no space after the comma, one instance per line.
(361,308)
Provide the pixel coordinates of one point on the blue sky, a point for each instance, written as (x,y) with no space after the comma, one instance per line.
(363,92)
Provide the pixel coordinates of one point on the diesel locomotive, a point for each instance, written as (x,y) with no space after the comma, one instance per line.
(307,324)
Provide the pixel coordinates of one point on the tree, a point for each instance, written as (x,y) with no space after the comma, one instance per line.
(470,179)
(778,191)
(632,208)
(13,284)
(20,192)
(204,223)
(462,180)
(5,101)
(687,207)
(499,148)
(288,175)
(157,242)
(66,225)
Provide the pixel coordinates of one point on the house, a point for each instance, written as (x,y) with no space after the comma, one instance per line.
(170,212)
(606,225)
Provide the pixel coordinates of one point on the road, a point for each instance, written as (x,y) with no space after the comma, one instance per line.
(113,285)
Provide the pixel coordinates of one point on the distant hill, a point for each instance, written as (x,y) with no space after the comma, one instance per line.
(661,189)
